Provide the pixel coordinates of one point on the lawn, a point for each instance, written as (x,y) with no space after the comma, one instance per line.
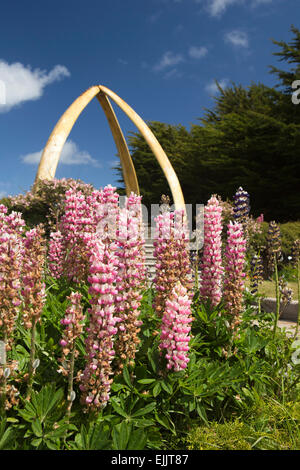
(267,288)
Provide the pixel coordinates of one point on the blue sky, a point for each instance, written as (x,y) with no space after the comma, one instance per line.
(160,56)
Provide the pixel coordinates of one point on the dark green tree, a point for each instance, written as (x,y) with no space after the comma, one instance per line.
(249,138)
(290,54)
(252,150)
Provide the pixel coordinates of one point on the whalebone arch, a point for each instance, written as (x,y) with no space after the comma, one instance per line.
(52,151)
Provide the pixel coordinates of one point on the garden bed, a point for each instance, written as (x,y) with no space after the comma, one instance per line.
(94,359)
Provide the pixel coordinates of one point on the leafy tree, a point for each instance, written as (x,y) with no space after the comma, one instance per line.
(290,53)
(237,99)
(255,151)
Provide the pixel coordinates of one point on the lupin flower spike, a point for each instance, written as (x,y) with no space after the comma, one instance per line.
(211,266)
(234,273)
(256,273)
(273,246)
(131,276)
(241,205)
(172,256)
(175,329)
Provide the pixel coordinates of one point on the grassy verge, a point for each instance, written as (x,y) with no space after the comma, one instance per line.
(268,425)
(267,288)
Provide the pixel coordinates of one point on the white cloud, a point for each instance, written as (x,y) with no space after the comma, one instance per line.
(218,7)
(212,88)
(2,93)
(197,52)
(178,29)
(24,84)
(258,2)
(237,38)
(155,16)
(173,73)
(4,188)
(70,155)
(169,59)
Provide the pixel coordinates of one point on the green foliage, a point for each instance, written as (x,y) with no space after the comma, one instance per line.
(124,439)
(45,204)
(289,53)
(221,391)
(210,328)
(7,435)
(101,436)
(93,437)
(290,231)
(46,415)
(228,436)
(267,425)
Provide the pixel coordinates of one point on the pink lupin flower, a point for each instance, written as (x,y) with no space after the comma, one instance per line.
(75,225)
(211,265)
(33,289)
(234,272)
(55,254)
(73,323)
(131,277)
(95,379)
(103,264)
(69,245)
(175,329)
(11,255)
(83,217)
(172,256)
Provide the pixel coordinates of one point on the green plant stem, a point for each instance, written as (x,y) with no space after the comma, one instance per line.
(292,385)
(196,273)
(31,360)
(277,296)
(298,289)
(259,305)
(3,388)
(70,382)
(70,388)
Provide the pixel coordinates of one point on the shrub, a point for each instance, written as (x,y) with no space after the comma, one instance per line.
(45,206)
(290,231)
(227,436)
(268,425)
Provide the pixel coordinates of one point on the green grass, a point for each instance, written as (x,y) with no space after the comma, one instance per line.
(267,288)
(268,425)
